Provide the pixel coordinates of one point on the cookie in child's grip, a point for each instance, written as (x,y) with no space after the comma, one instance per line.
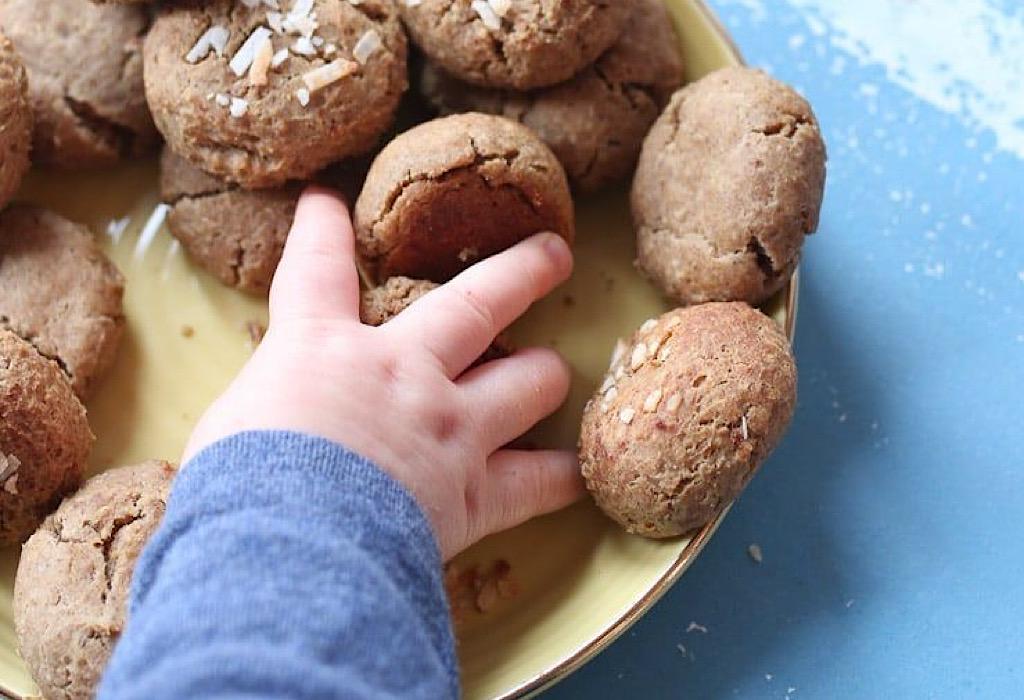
(260,96)
(455,190)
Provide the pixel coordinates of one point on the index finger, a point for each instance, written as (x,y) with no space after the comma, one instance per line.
(458,321)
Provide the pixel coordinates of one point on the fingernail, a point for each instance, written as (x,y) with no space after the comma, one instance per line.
(554,245)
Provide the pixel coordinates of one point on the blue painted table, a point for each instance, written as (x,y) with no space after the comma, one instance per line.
(891,519)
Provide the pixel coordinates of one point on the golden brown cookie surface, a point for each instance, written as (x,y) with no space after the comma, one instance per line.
(84,64)
(729,183)
(690,407)
(520,45)
(45,438)
(456,190)
(71,589)
(58,290)
(15,121)
(596,122)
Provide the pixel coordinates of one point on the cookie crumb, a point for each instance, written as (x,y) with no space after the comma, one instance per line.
(187,331)
(755,553)
(569,300)
(367,45)
(478,590)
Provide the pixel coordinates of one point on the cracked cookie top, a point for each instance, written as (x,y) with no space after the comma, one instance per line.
(44,438)
(84,65)
(691,405)
(515,44)
(456,190)
(71,589)
(729,183)
(237,235)
(259,96)
(60,292)
(16,121)
(596,122)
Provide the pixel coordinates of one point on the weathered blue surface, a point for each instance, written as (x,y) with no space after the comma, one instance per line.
(891,519)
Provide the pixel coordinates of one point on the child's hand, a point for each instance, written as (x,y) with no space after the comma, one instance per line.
(400,394)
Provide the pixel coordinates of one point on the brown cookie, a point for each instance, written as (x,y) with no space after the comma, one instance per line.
(520,45)
(84,66)
(59,291)
(222,100)
(689,409)
(596,122)
(237,235)
(71,589)
(455,190)
(729,182)
(15,121)
(45,438)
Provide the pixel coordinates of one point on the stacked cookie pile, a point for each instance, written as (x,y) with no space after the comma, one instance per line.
(536,101)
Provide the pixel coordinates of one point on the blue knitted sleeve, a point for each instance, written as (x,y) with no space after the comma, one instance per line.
(286,566)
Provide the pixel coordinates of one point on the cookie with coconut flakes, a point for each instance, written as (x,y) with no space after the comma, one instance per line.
(515,44)
(689,409)
(259,97)
(596,122)
(84,64)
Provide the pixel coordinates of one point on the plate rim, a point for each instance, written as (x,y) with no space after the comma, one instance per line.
(548,678)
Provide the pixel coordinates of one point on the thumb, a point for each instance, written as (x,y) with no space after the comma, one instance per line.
(317,276)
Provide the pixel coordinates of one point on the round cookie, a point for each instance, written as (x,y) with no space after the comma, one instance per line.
(71,589)
(84,65)
(15,121)
(45,438)
(520,45)
(260,125)
(729,182)
(59,290)
(596,122)
(455,190)
(689,409)
(379,305)
(237,235)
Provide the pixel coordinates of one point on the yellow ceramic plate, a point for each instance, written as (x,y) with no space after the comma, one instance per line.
(581,580)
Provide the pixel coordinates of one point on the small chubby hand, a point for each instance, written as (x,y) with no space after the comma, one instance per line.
(404,394)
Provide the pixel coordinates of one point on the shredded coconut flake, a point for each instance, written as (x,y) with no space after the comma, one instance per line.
(302,95)
(325,75)
(276,21)
(304,47)
(238,107)
(413,3)
(246,53)
(367,45)
(215,38)
(500,7)
(626,415)
(261,64)
(487,14)
(222,99)
(279,58)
